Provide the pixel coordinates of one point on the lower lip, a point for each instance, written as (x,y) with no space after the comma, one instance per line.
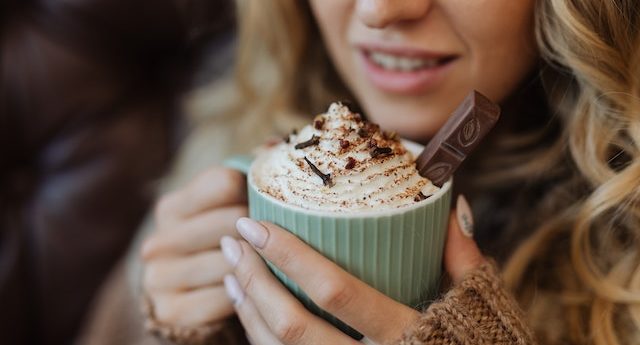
(405,82)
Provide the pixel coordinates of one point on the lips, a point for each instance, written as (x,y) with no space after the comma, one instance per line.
(403,70)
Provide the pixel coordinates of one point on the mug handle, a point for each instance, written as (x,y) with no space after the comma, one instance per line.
(241,163)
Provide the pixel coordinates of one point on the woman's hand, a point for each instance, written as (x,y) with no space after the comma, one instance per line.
(184,266)
(271,315)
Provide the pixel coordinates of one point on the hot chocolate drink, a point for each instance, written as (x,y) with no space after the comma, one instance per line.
(341,163)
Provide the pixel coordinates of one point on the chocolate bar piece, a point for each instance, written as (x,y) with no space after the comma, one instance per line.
(459,136)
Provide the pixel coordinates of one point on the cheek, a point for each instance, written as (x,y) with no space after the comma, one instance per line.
(335,19)
(502,51)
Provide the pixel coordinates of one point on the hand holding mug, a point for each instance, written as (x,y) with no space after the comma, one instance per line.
(184,266)
(272,315)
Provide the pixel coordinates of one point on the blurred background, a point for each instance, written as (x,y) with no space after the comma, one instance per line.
(90,118)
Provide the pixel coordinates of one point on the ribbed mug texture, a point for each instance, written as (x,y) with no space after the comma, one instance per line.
(398,252)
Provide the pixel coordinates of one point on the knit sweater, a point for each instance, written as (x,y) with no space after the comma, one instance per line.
(477,311)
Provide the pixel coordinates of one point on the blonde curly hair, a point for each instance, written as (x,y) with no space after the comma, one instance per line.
(578,273)
(593,48)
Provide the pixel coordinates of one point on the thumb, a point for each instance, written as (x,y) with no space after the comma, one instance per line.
(461,254)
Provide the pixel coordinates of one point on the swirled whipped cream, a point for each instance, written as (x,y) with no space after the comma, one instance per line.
(341,163)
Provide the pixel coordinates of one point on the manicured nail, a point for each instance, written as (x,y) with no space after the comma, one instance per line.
(234,291)
(252,231)
(231,250)
(465,218)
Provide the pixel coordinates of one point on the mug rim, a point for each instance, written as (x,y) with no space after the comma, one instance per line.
(368,213)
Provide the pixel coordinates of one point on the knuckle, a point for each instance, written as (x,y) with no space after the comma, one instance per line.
(241,211)
(229,180)
(290,328)
(334,295)
(248,280)
(151,277)
(284,259)
(217,175)
(167,310)
(148,248)
(210,305)
(231,176)
(164,206)
(224,182)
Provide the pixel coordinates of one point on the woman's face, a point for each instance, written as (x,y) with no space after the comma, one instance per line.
(411,62)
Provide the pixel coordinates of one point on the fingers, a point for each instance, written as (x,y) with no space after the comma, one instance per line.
(214,188)
(184,269)
(192,308)
(251,320)
(193,235)
(330,287)
(461,254)
(182,273)
(285,316)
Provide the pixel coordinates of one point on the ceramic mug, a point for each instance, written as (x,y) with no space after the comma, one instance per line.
(396,251)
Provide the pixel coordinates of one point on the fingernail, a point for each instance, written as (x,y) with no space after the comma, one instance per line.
(231,250)
(234,291)
(252,231)
(465,218)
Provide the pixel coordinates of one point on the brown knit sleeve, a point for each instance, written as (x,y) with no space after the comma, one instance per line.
(477,311)
(227,332)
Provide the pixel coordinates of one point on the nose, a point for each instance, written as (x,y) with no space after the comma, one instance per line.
(381,13)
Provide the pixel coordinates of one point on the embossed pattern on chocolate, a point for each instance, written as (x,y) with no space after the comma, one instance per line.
(459,136)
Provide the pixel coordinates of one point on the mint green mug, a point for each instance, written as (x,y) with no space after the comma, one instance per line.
(398,251)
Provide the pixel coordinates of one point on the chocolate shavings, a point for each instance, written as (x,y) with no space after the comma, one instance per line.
(344,143)
(389,135)
(372,127)
(315,140)
(419,197)
(351,163)
(326,178)
(368,129)
(318,123)
(381,152)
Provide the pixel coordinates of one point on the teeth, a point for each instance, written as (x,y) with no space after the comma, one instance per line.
(401,63)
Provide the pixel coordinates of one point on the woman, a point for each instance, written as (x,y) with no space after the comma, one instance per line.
(555,187)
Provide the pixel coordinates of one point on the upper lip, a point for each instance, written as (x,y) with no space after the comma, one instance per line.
(402,50)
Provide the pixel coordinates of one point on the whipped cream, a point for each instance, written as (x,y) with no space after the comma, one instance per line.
(341,163)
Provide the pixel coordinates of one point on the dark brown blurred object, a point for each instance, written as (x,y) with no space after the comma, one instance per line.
(88,121)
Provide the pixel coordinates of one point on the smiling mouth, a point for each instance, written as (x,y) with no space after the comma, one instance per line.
(405,63)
